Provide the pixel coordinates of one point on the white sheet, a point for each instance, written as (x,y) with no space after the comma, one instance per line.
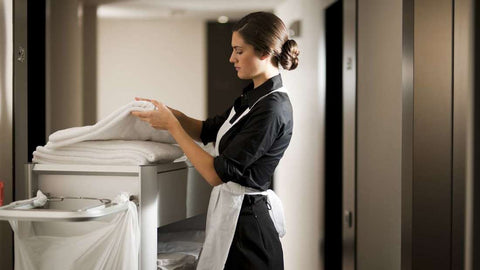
(179,250)
(114,244)
(119,125)
(115,152)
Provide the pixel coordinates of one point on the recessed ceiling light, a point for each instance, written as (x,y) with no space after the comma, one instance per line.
(222,19)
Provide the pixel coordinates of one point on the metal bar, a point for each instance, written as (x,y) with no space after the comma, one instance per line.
(15,211)
(462,87)
(86,169)
(407,134)
(20,96)
(148,217)
(31,181)
(349,131)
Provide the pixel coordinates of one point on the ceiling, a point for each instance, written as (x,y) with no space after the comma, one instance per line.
(171,9)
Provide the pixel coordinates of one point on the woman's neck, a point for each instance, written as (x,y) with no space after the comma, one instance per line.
(263,77)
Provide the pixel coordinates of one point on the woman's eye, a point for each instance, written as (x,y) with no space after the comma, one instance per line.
(239,52)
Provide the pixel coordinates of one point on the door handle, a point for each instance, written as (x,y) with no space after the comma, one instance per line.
(348,218)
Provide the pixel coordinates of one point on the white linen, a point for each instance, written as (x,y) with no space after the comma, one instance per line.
(109,152)
(179,250)
(119,125)
(175,261)
(114,244)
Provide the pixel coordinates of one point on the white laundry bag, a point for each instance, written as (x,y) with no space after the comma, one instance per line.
(113,244)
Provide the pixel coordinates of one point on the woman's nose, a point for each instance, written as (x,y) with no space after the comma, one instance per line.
(232,58)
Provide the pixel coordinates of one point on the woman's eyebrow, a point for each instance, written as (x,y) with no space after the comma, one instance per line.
(236,47)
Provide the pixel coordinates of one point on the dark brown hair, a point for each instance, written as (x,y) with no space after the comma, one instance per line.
(269,35)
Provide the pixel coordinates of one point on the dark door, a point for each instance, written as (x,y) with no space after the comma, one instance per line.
(475,254)
(223,85)
(29,86)
(333,136)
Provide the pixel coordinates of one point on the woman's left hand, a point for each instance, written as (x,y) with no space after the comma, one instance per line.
(161,118)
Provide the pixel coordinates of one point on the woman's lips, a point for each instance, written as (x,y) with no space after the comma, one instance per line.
(237,68)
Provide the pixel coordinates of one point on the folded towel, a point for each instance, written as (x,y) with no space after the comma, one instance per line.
(112,152)
(119,125)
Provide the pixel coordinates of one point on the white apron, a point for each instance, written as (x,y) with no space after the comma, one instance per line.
(224,209)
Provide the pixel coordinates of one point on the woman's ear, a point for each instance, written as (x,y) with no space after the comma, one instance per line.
(264,56)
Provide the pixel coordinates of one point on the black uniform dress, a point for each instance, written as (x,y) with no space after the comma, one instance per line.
(249,152)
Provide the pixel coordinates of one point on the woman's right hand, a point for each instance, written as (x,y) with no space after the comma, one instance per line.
(160,118)
(191,125)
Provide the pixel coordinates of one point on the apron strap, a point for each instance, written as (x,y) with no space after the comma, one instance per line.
(276,213)
(276,210)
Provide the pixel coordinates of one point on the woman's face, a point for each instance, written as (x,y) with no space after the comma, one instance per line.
(245,59)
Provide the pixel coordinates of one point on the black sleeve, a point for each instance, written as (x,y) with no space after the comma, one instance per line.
(251,143)
(211,126)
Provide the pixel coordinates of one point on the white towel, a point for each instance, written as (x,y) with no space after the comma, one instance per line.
(114,152)
(119,125)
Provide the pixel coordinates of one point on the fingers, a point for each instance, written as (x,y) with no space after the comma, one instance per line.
(156,103)
(136,113)
(142,99)
(144,115)
(153,101)
(141,116)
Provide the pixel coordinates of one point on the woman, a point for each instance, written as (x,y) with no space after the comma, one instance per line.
(250,138)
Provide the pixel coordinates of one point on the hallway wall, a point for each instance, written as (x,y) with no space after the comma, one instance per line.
(64,65)
(299,176)
(379,134)
(156,62)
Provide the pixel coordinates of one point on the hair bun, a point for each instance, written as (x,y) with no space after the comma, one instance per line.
(289,55)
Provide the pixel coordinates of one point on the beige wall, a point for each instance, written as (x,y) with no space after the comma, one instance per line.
(64,65)
(299,177)
(134,58)
(89,67)
(6,124)
(379,134)
(159,59)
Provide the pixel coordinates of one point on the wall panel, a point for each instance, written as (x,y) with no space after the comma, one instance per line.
(432,139)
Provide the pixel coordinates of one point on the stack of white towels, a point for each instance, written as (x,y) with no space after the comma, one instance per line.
(118,139)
